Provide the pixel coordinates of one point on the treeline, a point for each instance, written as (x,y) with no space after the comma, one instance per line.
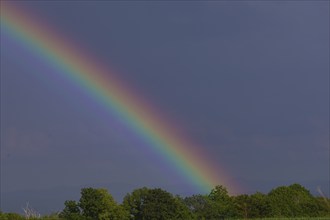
(158,204)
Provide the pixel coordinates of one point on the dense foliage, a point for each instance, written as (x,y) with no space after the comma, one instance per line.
(158,204)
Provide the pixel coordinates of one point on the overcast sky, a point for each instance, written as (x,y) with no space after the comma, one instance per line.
(248,82)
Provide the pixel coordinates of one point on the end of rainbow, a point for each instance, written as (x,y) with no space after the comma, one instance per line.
(81,69)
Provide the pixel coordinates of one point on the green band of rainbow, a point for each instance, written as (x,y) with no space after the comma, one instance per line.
(81,70)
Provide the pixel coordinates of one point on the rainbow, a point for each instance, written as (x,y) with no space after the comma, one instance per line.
(83,71)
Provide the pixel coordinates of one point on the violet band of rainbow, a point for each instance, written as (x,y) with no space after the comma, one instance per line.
(82,70)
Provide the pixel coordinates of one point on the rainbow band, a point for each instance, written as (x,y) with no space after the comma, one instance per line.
(111,93)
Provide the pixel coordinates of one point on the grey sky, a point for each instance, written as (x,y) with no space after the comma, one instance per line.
(249,82)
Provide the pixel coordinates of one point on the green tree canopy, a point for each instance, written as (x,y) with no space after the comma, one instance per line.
(94,204)
(157,204)
(222,203)
(252,206)
(71,211)
(150,204)
(292,201)
(201,206)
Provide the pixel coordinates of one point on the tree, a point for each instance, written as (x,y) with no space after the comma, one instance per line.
(71,211)
(94,204)
(156,203)
(222,203)
(117,213)
(252,206)
(219,193)
(183,211)
(323,205)
(292,201)
(134,202)
(243,206)
(260,206)
(201,206)
(98,204)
